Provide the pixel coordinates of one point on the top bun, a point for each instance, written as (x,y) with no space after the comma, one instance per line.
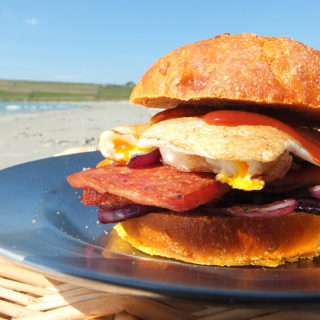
(241,70)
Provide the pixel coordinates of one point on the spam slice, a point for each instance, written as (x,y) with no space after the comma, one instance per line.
(156,185)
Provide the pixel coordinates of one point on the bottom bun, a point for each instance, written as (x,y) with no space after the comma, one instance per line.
(225,241)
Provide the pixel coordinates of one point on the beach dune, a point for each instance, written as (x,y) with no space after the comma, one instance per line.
(31,136)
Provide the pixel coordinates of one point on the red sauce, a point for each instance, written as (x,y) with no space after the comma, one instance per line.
(240,118)
(180,111)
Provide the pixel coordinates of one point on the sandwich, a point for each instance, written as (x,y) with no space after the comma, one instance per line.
(228,172)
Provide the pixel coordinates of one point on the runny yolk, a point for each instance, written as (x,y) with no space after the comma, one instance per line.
(242,180)
(105,162)
(123,151)
(124,148)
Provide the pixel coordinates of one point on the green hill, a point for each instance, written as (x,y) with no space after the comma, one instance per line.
(16,90)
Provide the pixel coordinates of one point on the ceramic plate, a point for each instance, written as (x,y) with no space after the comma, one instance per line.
(45,226)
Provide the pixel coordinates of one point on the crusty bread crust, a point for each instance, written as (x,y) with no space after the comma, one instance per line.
(243,69)
(225,241)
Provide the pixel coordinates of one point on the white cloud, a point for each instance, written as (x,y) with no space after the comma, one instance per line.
(31,21)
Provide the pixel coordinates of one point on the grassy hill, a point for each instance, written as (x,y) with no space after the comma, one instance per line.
(15,90)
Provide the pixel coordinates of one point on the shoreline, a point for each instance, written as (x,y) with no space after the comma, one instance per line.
(36,135)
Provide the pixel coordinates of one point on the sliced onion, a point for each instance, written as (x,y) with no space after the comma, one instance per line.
(278,208)
(145,159)
(315,191)
(112,215)
(310,205)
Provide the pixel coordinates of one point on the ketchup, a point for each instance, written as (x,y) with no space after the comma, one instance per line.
(240,118)
(180,111)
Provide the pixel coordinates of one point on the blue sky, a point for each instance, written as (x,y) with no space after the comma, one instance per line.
(102,41)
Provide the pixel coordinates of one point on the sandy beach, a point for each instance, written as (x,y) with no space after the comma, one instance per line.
(32,136)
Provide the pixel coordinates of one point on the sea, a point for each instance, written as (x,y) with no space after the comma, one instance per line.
(29,107)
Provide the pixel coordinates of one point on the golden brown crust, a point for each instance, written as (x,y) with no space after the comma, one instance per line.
(233,70)
(226,241)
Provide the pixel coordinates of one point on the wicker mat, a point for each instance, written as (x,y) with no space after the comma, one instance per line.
(26,294)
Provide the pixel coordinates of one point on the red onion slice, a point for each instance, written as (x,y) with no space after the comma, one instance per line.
(143,160)
(315,191)
(309,205)
(278,208)
(108,214)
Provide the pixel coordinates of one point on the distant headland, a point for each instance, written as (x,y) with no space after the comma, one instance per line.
(19,90)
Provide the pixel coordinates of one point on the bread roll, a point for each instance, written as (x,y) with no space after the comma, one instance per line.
(225,241)
(243,69)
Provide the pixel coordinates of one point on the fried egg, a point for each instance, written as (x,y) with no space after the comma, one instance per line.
(121,143)
(245,175)
(245,157)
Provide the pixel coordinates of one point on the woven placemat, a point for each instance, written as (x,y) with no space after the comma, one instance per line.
(27,294)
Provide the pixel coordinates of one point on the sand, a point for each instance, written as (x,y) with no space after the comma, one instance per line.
(32,136)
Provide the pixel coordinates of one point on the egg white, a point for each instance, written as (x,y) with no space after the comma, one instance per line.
(226,170)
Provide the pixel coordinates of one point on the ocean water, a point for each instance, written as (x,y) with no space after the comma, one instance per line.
(27,107)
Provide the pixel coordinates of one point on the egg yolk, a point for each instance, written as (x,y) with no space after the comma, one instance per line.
(105,162)
(242,180)
(123,151)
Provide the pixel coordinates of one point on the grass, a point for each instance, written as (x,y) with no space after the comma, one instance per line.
(15,90)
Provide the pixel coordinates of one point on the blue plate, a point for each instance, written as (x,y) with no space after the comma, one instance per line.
(46,227)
